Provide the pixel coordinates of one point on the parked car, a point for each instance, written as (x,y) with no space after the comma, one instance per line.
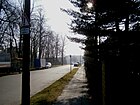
(76,64)
(48,65)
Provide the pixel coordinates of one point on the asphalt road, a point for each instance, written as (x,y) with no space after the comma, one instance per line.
(11,86)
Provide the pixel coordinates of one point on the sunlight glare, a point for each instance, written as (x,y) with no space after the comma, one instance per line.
(89,5)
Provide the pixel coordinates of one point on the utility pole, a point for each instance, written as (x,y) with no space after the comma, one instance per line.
(25,31)
(0,8)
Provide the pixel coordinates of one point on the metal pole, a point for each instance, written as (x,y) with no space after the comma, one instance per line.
(80,60)
(25,31)
(70,62)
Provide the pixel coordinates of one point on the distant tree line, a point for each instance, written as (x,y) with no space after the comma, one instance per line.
(44,42)
(112,55)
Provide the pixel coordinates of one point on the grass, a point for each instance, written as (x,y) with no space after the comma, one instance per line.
(50,94)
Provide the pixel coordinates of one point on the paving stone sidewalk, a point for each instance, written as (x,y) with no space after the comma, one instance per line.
(75,93)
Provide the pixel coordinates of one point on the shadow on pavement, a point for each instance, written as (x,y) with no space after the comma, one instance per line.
(81,100)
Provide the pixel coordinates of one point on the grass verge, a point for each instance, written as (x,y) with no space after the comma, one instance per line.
(50,94)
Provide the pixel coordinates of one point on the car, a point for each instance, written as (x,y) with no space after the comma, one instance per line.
(76,64)
(48,65)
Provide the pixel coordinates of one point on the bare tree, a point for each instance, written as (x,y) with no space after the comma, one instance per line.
(9,22)
(44,42)
(38,32)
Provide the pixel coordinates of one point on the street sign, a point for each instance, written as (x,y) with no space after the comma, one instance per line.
(25,21)
(24,30)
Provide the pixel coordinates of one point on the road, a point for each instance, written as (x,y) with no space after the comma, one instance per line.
(11,86)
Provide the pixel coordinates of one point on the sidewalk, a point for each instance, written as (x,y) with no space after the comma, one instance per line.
(75,93)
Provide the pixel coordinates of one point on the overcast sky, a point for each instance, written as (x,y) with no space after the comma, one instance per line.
(58,21)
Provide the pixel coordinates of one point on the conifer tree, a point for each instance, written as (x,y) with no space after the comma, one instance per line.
(114,21)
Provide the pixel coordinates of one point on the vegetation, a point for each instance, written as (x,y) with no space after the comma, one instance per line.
(44,43)
(50,94)
(111,29)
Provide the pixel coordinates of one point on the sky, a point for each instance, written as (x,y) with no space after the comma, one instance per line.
(58,21)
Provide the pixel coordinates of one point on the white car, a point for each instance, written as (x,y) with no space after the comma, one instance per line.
(48,65)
